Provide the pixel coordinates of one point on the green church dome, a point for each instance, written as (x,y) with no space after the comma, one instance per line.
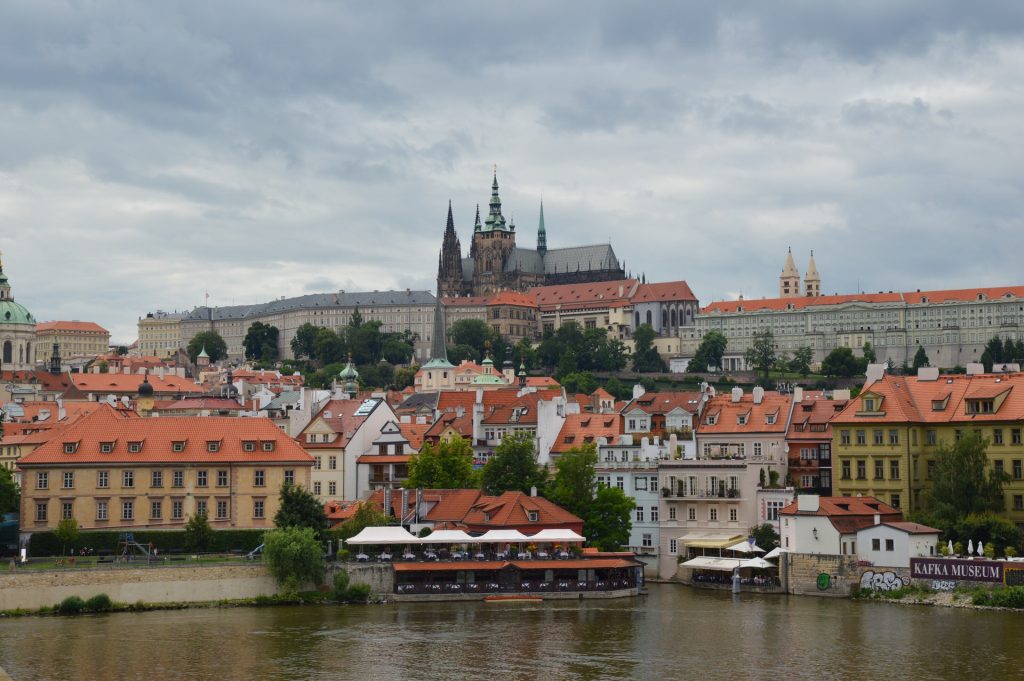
(15,313)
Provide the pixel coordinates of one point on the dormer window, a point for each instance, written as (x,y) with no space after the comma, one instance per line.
(869,404)
(712,419)
(533,516)
(268,446)
(980,406)
(134,447)
(177,447)
(70,447)
(106,447)
(770,419)
(568,439)
(741,420)
(248,446)
(213,446)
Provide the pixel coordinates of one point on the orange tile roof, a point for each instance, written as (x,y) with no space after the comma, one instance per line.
(464,301)
(602,292)
(56,383)
(663,292)
(848,514)
(580,429)
(726,414)
(109,426)
(542,382)
(512,509)
(463,425)
(342,420)
(384,458)
(909,298)
(907,399)
(414,432)
(452,504)
(213,403)
(664,402)
(128,384)
(72,410)
(71,326)
(912,528)
(513,298)
(813,410)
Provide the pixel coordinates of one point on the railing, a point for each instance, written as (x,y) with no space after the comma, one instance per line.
(553,586)
(623,465)
(733,493)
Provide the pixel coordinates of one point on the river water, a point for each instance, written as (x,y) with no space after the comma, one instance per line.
(673,633)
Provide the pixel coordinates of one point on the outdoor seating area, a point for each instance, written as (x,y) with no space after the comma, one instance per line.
(458,546)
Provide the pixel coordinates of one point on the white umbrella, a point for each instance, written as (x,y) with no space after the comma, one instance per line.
(970,546)
(950,547)
(746,547)
(774,553)
(756,562)
(981,549)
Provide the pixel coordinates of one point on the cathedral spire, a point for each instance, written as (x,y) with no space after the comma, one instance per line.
(476,225)
(495,220)
(812,280)
(542,235)
(789,280)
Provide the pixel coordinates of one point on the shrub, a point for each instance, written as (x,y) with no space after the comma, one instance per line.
(358,593)
(1010,552)
(198,533)
(99,603)
(340,585)
(222,541)
(72,605)
(294,553)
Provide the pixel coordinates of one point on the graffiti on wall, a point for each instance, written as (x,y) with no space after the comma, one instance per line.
(882,581)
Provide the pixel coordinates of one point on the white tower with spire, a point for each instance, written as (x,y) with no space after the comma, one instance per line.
(789,280)
(812,280)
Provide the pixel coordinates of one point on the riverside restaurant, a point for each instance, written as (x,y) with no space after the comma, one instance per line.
(498,565)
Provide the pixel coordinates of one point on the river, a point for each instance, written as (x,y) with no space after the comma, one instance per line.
(673,633)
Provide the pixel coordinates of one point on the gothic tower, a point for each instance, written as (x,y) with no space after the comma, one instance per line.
(492,246)
(449,262)
(789,280)
(542,235)
(812,280)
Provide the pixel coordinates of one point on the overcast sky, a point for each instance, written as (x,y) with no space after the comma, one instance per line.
(151,152)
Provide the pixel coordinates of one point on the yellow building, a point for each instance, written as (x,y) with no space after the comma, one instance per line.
(114,470)
(159,334)
(76,339)
(886,440)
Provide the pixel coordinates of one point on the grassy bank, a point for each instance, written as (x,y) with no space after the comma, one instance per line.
(1000,597)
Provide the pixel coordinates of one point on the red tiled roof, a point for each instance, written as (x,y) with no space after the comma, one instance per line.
(910,298)
(512,508)
(464,301)
(663,292)
(103,384)
(813,410)
(513,298)
(414,432)
(56,383)
(461,424)
(342,421)
(72,410)
(912,528)
(581,429)
(71,326)
(664,402)
(213,403)
(569,296)
(542,382)
(844,506)
(727,413)
(452,504)
(384,458)
(109,426)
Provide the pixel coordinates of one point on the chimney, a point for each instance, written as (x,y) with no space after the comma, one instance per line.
(975,368)
(737,394)
(758,395)
(798,394)
(808,503)
(621,290)
(878,519)
(875,372)
(533,491)
(928,374)
(638,391)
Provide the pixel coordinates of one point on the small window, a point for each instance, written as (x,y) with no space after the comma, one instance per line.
(70,447)
(533,516)
(134,447)
(106,447)
(890,545)
(268,446)
(177,446)
(213,446)
(249,446)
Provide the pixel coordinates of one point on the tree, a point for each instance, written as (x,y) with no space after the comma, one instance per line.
(645,355)
(761,353)
(198,533)
(572,487)
(66,533)
(447,465)
(841,363)
(261,342)
(294,556)
(709,353)
(765,536)
(579,382)
(366,515)
(963,482)
(299,508)
(617,390)
(801,362)
(397,349)
(514,467)
(303,341)
(609,519)
(869,353)
(988,528)
(475,333)
(328,347)
(212,341)
(459,353)
(9,501)
(405,376)
(920,358)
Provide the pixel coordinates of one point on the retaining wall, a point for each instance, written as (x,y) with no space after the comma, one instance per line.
(808,574)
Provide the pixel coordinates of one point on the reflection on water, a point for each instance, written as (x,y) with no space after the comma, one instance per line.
(675,632)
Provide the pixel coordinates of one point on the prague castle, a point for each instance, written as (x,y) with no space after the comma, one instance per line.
(496,263)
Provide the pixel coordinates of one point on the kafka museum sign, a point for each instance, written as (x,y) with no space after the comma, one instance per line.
(959,570)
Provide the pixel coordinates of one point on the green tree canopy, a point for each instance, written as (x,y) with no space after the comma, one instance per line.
(609,519)
(300,508)
(841,363)
(709,353)
(66,533)
(366,515)
(920,358)
(294,556)
(801,362)
(261,342)
(514,467)
(572,487)
(570,349)
(869,353)
(448,465)
(198,533)
(303,341)
(328,347)
(765,536)
(215,346)
(9,498)
(645,355)
(963,482)
(987,528)
(761,353)
(579,382)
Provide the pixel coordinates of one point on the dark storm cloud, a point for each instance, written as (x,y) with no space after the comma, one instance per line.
(255,149)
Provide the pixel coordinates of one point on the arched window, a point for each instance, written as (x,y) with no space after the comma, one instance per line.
(637,319)
(664,318)
(649,318)
(8,352)
(675,321)
(21,354)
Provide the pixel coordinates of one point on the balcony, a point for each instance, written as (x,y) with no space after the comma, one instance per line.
(627,465)
(732,494)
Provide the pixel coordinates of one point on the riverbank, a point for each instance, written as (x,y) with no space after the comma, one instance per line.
(978,598)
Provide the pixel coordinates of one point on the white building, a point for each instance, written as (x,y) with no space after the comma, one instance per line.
(894,543)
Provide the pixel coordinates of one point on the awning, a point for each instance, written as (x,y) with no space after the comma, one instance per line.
(774,553)
(746,547)
(584,564)
(447,537)
(557,536)
(502,536)
(725,564)
(708,540)
(449,566)
(383,535)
